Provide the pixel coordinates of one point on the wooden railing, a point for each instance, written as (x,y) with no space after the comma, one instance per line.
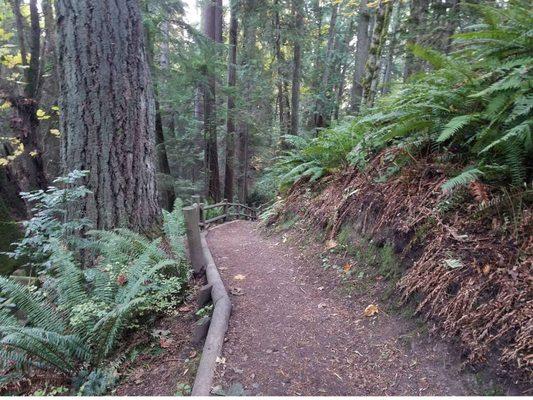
(228,210)
(195,220)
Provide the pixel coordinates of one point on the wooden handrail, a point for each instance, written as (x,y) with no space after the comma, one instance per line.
(229,209)
(210,206)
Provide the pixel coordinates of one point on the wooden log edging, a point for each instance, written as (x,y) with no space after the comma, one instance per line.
(217,329)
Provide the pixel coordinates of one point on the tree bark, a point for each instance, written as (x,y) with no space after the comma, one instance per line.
(108,112)
(388,62)
(339,90)
(282,97)
(229,176)
(371,79)
(361,56)
(209,22)
(297,66)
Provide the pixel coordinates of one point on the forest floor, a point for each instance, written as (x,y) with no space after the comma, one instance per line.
(164,360)
(295,331)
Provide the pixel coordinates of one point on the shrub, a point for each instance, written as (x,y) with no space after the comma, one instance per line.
(74,321)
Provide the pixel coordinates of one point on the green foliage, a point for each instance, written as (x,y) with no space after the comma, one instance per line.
(475,103)
(317,157)
(463,179)
(174,227)
(76,319)
(478,99)
(47,223)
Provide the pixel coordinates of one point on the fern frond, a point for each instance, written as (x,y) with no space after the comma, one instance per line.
(38,312)
(455,125)
(464,178)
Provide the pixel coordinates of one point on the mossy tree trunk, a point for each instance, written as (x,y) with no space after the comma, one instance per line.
(108,112)
(361,55)
(371,79)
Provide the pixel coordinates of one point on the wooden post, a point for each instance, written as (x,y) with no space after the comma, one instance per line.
(195,199)
(225,209)
(192,219)
(201,211)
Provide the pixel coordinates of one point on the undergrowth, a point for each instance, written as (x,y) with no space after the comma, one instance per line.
(73,321)
(475,107)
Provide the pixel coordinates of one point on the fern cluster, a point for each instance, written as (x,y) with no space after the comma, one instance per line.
(478,101)
(74,321)
(313,158)
(476,104)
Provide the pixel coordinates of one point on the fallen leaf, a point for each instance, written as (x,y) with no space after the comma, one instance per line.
(239,277)
(347,267)
(221,360)
(185,308)
(122,279)
(486,269)
(370,310)
(192,354)
(236,291)
(331,244)
(165,343)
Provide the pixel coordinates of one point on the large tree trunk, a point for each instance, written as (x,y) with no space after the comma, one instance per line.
(229,176)
(371,79)
(209,22)
(297,66)
(389,59)
(361,56)
(452,22)
(108,112)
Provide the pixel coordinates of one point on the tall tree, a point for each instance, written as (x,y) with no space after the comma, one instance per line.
(371,79)
(249,37)
(209,28)
(320,107)
(108,112)
(28,168)
(297,10)
(283,102)
(166,191)
(342,67)
(388,60)
(229,175)
(361,55)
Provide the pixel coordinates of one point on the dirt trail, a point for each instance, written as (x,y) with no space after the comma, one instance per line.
(289,335)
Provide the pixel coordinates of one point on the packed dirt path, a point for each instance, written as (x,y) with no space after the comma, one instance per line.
(289,335)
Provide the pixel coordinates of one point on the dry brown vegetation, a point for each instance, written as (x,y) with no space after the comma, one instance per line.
(467,256)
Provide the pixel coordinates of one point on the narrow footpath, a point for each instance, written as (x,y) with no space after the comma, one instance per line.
(291,335)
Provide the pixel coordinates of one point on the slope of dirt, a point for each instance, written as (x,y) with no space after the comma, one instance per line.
(465,258)
(293,333)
